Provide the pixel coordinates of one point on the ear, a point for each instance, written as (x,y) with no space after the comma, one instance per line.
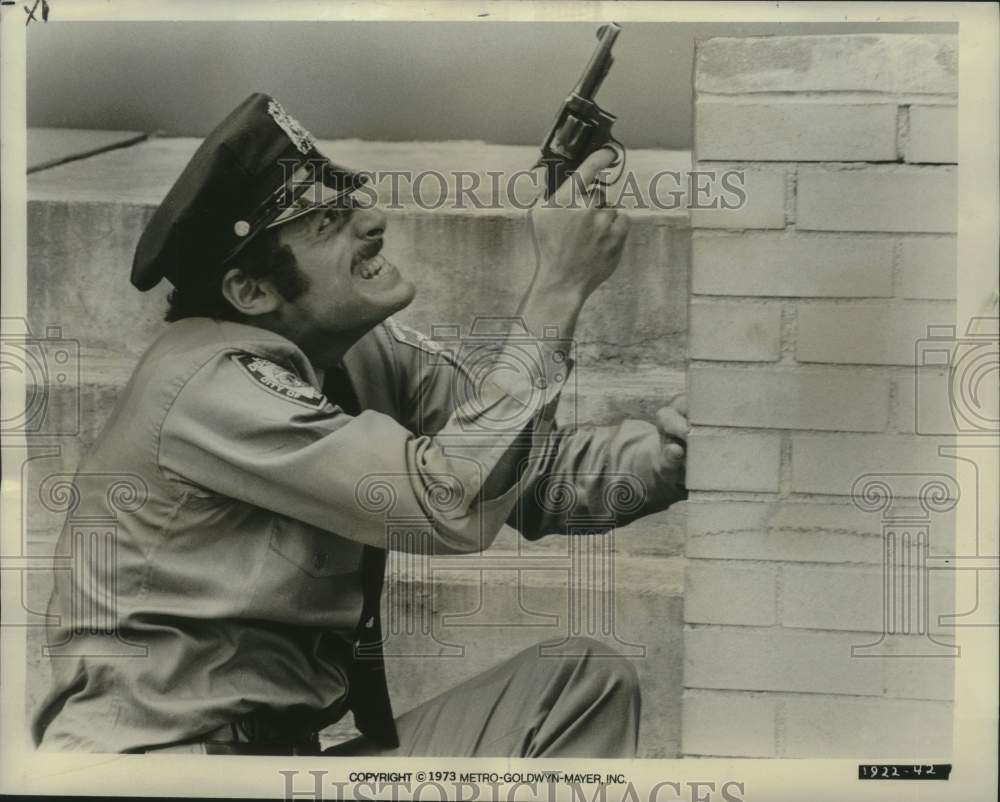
(249,296)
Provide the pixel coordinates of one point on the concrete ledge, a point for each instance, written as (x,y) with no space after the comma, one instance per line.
(48,147)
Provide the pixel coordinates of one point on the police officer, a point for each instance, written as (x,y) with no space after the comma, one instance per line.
(271,422)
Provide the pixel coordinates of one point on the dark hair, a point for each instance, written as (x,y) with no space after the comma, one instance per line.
(265,257)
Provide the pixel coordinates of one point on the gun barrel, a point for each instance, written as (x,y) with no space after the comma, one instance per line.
(600,62)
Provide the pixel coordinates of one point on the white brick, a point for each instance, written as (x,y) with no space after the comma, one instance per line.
(783,398)
(731,724)
(867,729)
(933,135)
(733,462)
(798,531)
(806,265)
(924,402)
(729,331)
(861,62)
(928,267)
(851,598)
(832,463)
(874,199)
(743,658)
(790,131)
(717,593)
(867,334)
(763,204)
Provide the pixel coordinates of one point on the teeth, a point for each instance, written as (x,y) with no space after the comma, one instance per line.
(372,267)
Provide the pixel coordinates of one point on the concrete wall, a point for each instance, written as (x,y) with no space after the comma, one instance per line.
(806,308)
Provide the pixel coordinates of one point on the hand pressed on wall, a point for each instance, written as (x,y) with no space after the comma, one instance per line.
(672,423)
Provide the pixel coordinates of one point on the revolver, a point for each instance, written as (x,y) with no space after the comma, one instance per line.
(581,127)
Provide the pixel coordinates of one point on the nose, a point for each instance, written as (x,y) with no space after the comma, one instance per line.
(369,223)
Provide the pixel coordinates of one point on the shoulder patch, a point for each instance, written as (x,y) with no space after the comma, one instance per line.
(279,380)
(414,338)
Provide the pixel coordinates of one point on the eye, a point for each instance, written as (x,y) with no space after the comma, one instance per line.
(325,219)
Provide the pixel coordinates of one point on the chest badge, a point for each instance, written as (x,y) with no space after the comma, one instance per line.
(279,380)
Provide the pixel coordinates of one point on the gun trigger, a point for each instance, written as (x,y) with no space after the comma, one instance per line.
(619,153)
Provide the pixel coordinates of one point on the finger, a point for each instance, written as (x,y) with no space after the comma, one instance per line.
(680,403)
(621,224)
(598,197)
(674,455)
(672,424)
(538,183)
(604,221)
(585,174)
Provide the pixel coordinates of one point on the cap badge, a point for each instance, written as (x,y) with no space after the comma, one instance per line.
(300,137)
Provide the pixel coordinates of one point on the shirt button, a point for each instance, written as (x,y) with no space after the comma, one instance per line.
(370,622)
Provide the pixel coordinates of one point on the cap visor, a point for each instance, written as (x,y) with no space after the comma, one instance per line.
(316,196)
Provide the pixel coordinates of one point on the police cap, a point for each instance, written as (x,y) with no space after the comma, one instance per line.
(259,168)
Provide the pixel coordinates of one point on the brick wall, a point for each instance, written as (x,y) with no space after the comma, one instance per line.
(806,307)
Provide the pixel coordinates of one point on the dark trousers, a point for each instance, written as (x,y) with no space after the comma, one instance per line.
(574,699)
(577,698)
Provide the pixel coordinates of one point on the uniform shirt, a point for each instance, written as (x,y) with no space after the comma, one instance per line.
(238,584)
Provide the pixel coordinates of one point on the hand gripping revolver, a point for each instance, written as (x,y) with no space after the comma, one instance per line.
(581,127)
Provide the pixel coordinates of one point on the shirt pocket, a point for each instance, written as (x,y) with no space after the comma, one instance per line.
(313,551)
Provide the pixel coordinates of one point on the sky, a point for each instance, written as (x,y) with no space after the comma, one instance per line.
(497,82)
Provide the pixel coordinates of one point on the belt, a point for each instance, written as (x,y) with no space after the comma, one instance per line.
(247,736)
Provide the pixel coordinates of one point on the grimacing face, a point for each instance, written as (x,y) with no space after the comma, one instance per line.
(352,287)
